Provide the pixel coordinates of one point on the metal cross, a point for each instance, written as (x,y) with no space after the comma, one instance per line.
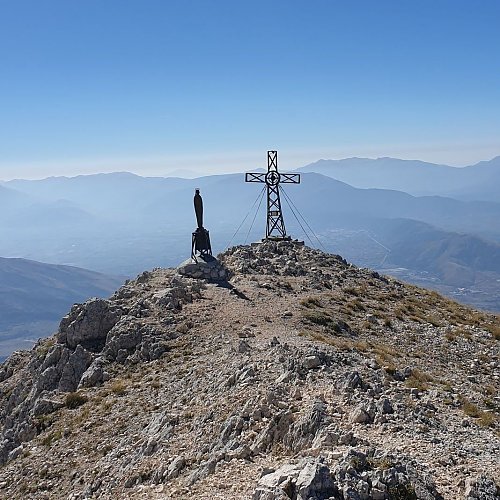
(275,227)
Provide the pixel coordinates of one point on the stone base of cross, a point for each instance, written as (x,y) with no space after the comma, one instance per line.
(275,227)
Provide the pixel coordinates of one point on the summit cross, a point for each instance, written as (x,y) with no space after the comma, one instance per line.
(275,228)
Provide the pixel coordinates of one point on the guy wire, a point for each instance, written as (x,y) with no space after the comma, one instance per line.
(255,215)
(290,203)
(245,218)
(295,215)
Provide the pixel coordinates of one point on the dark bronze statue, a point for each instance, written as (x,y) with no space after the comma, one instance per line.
(201,238)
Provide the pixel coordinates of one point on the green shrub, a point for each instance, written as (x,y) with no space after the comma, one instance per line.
(44,347)
(74,400)
(318,318)
(402,492)
(51,438)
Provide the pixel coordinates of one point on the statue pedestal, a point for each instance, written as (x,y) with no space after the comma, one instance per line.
(204,267)
(200,243)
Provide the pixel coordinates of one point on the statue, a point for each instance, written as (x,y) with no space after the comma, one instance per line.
(198,208)
(202,264)
(201,237)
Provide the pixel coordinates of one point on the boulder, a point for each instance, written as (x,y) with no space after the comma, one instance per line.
(311,361)
(352,381)
(360,415)
(88,324)
(94,374)
(384,406)
(315,482)
(123,338)
(277,484)
(310,479)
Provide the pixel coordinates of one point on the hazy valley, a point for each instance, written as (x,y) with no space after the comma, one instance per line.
(121,224)
(34,296)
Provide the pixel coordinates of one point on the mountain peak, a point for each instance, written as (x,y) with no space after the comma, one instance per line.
(302,374)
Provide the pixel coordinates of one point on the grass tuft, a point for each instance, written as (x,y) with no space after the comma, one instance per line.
(118,387)
(74,400)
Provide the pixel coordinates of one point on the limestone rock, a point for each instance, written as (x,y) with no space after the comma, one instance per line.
(45,405)
(277,484)
(175,467)
(315,481)
(73,370)
(311,361)
(361,415)
(307,480)
(125,336)
(94,374)
(384,406)
(88,324)
(304,430)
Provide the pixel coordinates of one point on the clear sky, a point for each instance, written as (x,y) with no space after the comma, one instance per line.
(153,86)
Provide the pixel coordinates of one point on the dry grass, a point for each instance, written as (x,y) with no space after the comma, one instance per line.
(494,330)
(484,418)
(341,344)
(384,351)
(490,389)
(318,317)
(44,347)
(118,387)
(451,335)
(356,305)
(51,438)
(361,345)
(419,305)
(434,321)
(487,419)
(419,380)
(81,417)
(311,302)
(74,400)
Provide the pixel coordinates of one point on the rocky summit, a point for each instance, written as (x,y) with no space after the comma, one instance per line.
(302,377)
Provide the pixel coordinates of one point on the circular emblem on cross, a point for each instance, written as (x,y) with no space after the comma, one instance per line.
(272,178)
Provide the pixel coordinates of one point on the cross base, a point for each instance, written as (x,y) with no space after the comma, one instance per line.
(277,238)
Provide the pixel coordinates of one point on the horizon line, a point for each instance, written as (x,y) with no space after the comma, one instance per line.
(188,172)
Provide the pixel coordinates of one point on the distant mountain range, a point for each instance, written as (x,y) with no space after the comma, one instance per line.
(122,223)
(33,296)
(476,182)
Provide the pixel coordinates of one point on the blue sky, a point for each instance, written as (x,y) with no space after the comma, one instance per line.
(154,86)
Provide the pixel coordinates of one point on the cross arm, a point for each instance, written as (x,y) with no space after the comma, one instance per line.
(251,177)
(290,178)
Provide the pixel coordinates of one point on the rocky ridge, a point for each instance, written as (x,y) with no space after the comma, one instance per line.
(303,377)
